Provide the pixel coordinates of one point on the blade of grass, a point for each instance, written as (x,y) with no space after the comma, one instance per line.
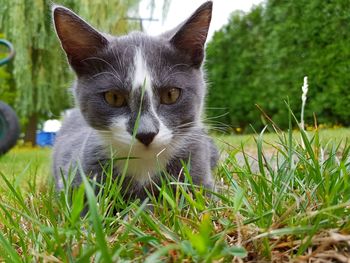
(11,252)
(95,218)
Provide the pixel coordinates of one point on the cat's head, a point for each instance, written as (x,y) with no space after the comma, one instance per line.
(153,83)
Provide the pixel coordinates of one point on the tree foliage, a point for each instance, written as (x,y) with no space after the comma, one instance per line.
(262,56)
(40,71)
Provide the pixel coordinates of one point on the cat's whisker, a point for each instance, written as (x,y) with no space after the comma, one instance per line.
(126,50)
(174,74)
(107,73)
(208,127)
(188,125)
(119,62)
(196,137)
(177,65)
(103,60)
(187,139)
(158,154)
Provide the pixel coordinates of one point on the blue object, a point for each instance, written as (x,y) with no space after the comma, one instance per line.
(11,51)
(45,138)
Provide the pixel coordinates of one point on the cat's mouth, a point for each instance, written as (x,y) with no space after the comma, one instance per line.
(126,145)
(139,151)
(142,158)
(152,150)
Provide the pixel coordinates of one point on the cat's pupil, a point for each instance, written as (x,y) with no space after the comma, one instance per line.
(114,99)
(170,96)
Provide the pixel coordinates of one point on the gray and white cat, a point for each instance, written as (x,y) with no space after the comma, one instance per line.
(160,79)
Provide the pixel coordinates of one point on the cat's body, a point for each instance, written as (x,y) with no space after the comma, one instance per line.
(153,83)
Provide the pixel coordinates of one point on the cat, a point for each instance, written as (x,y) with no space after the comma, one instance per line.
(156,82)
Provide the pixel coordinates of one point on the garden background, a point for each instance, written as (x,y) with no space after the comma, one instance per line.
(284,190)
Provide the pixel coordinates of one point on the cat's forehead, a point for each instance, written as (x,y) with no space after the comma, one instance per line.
(157,51)
(138,57)
(135,42)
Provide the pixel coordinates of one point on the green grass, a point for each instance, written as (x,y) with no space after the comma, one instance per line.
(336,135)
(292,203)
(23,164)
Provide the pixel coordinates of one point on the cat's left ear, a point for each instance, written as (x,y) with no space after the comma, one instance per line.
(79,40)
(192,34)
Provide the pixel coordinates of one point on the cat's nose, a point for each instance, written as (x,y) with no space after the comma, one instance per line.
(146,137)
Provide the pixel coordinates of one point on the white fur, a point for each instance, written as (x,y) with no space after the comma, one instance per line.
(142,75)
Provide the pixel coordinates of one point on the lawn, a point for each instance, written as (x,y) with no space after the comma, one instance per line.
(335,135)
(23,164)
(289,200)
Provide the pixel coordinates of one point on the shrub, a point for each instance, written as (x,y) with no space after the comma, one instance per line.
(262,56)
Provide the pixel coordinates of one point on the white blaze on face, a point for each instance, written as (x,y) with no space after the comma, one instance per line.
(142,77)
(141,74)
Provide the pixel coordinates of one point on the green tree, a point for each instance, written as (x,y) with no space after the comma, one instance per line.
(234,65)
(40,72)
(261,58)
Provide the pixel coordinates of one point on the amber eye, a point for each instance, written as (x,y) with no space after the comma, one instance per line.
(115,99)
(170,96)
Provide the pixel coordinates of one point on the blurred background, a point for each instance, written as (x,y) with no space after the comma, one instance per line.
(258,53)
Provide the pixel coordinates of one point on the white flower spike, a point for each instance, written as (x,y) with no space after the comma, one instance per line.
(305,89)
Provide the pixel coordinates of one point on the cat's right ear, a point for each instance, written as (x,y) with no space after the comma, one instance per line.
(191,35)
(78,39)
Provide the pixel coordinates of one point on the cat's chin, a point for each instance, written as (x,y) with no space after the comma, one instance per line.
(138,150)
(143,162)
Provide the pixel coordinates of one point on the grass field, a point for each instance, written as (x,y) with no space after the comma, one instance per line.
(290,200)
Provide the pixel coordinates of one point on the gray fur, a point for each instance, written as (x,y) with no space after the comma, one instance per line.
(86,136)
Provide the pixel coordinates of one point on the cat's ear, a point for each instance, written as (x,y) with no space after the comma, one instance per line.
(79,40)
(191,35)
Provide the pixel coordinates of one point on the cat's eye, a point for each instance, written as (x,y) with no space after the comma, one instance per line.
(114,98)
(170,96)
